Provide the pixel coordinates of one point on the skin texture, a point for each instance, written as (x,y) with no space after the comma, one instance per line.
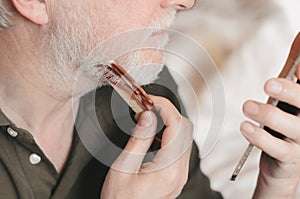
(40,99)
(280,161)
(137,180)
(42,49)
(50,42)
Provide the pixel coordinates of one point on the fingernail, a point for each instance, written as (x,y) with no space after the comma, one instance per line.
(274,87)
(247,128)
(251,108)
(145,119)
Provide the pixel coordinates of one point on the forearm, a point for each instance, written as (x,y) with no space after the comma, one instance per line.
(268,187)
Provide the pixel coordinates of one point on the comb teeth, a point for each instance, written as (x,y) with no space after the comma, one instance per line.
(127,87)
(111,76)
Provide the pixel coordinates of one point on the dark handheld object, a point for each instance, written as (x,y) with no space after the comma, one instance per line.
(287,108)
(134,95)
(287,72)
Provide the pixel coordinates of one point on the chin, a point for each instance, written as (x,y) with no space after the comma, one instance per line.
(155,56)
(146,73)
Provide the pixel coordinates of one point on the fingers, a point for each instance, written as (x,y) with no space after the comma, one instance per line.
(173,121)
(172,178)
(171,162)
(178,148)
(274,118)
(176,141)
(166,109)
(177,136)
(132,156)
(274,147)
(143,133)
(287,124)
(268,115)
(284,90)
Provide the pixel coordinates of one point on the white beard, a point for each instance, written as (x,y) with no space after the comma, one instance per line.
(72,51)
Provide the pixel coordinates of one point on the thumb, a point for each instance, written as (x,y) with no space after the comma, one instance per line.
(131,158)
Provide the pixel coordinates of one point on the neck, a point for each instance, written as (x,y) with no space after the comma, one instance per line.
(48,118)
(36,111)
(26,99)
(31,104)
(43,110)
(46,109)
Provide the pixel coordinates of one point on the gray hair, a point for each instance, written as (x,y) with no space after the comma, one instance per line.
(4,17)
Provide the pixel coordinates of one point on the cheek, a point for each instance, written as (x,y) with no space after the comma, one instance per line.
(115,17)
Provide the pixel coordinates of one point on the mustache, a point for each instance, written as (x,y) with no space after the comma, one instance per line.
(165,20)
(123,43)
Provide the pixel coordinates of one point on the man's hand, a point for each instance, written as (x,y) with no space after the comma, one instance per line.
(166,175)
(280,161)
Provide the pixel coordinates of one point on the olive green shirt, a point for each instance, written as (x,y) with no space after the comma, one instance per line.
(26,173)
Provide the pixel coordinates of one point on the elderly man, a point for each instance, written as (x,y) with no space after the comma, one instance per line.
(47,47)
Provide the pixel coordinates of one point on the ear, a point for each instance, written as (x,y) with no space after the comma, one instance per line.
(33,10)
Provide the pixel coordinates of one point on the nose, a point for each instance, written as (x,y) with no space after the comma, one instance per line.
(178,4)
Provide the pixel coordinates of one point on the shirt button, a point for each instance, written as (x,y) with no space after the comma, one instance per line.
(12,132)
(34,159)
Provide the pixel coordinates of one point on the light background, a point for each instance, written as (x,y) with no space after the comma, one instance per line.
(249,41)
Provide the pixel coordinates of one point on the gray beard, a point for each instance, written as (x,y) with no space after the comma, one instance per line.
(73,55)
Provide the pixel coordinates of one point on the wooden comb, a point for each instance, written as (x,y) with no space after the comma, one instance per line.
(128,88)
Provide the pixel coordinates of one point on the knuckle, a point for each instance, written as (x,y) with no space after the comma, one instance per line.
(179,118)
(289,94)
(134,140)
(165,101)
(115,174)
(297,138)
